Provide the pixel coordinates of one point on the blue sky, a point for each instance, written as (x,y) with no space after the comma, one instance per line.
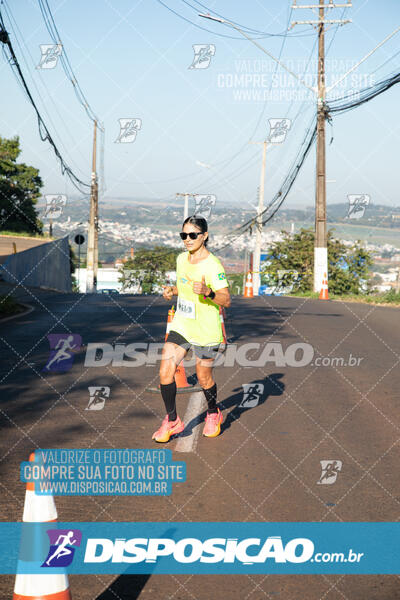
(132,60)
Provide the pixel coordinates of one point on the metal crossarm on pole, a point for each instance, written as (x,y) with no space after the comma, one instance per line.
(325,21)
(330,5)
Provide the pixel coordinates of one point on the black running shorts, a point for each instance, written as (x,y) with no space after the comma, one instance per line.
(200,351)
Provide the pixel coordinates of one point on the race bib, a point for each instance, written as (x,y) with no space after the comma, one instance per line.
(186,308)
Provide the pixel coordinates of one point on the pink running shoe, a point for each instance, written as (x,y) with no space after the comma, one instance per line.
(212,428)
(167,429)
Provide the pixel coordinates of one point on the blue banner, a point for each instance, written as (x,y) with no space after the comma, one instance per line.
(200,548)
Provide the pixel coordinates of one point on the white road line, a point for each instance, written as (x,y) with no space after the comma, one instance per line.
(196,405)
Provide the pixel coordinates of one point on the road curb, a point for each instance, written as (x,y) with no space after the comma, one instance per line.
(29,309)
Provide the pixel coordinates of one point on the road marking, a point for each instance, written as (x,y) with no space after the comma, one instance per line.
(196,405)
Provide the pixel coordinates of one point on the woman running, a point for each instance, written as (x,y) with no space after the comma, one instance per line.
(201,289)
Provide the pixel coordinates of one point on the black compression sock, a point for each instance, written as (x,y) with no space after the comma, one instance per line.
(211,397)
(168,393)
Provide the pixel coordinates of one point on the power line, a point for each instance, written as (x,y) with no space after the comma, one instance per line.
(230,159)
(43,130)
(365,95)
(253,158)
(14,30)
(338,107)
(248,29)
(65,62)
(271,209)
(232,37)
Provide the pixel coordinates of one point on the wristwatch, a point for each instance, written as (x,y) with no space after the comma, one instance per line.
(211,295)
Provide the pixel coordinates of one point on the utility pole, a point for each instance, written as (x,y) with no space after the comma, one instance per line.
(245,267)
(320,242)
(96,238)
(92,244)
(397,284)
(259,223)
(186,206)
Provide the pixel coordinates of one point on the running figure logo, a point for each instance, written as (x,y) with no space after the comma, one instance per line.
(330,470)
(202,56)
(54,205)
(62,542)
(128,129)
(98,396)
(357,205)
(62,346)
(278,129)
(204,205)
(252,394)
(50,55)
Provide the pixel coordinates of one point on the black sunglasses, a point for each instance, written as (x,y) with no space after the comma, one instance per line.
(193,235)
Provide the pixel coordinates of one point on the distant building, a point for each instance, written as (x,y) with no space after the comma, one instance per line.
(106,279)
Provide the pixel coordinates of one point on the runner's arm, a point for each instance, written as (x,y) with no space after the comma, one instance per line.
(222,297)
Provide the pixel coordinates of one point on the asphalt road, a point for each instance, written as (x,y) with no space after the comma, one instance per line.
(265,466)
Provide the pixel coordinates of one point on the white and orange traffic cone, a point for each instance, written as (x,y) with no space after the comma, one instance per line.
(39,509)
(221,316)
(324,290)
(171,313)
(248,288)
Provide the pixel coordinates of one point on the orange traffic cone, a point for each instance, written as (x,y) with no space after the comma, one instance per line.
(182,384)
(248,288)
(324,290)
(39,509)
(180,378)
(180,375)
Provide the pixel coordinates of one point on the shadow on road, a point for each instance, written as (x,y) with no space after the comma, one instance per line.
(129,587)
(273,386)
(125,587)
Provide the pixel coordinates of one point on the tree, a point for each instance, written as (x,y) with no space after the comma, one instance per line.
(348,265)
(20,187)
(235,281)
(148,268)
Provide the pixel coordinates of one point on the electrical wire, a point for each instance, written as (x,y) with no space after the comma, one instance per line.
(232,37)
(231,158)
(338,106)
(14,28)
(271,209)
(68,70)
(248,29)
(64,60)
(43,130)
(364,95)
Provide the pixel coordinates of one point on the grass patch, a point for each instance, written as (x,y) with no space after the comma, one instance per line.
(391,297)
(9,306)
(24,234)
